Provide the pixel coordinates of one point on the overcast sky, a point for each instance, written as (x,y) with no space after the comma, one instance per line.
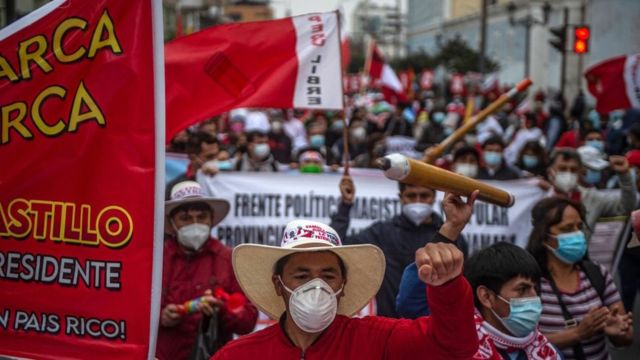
(298,7)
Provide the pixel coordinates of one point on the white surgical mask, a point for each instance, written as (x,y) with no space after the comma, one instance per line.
(566,181)
(261,150)
(193,236)
(359,133)
(313,305)
(417,212)
(468,170)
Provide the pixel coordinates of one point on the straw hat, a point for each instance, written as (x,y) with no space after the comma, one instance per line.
(188,192)
(254,266)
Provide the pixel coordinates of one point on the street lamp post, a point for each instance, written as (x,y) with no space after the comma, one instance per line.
(528,21)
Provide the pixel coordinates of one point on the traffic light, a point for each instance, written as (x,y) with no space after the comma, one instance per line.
(558,38)
(581,35)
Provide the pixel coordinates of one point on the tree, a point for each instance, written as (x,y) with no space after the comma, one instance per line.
(457,56)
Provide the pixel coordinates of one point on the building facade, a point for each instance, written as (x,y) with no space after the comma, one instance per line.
(612,23)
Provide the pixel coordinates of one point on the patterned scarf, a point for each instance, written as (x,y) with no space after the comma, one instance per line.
(535,345)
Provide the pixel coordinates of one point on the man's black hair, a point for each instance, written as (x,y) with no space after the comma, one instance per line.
(194,144)
(493,140)
(467,149)
(252,135)
(278,268)
(565,154)
(494,266)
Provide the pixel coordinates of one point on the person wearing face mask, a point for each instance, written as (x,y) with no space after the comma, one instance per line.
(201,148)
(399,237)
(258,156)
(358,144)
(494,167)
(581,306)
(279,142)
(194,263)
(532,160)
(504,279)
(465,161)
(563,174)
(595,165)
(313,285)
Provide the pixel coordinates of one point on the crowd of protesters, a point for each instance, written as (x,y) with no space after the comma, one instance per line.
(574,153)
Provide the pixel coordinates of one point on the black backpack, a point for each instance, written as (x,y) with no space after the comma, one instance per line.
(597,280)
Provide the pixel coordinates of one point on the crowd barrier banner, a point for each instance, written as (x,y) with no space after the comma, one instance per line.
(82,131)
(262,204)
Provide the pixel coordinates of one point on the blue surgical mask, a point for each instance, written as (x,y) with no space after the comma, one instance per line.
(438,117)
(317,141)
(596,144)
(524,314)
(224,165)
(492,158)
(592,177)
(529,161)
(571,247)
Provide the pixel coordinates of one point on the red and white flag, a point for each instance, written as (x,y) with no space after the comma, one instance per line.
(381,72)
(615,83)
(286,63)
(426,80)
(457,84)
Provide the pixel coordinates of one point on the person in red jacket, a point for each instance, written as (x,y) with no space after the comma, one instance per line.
(313,285)
(194,265)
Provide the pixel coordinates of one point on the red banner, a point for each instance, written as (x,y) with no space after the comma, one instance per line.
(78,152)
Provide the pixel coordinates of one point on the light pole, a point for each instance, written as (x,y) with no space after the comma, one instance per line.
(528,21)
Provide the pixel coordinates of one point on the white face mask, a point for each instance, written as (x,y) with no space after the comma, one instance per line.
(566,181)
(468,170)
(193,236)
(313,305)
(261,150)
(417,212)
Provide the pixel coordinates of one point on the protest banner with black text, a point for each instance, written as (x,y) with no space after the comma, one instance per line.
(262,205)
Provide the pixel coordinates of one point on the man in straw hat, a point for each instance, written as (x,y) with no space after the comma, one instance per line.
(194,265)
(311,277)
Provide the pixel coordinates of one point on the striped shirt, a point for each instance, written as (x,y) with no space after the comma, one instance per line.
(578,304)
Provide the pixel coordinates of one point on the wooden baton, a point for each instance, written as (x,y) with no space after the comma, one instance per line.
(414,172)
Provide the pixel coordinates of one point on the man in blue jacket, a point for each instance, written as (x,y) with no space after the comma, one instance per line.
(398,237)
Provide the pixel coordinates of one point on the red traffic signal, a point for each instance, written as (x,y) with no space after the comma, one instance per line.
(581,36)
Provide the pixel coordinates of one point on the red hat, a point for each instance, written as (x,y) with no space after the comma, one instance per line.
(633,157)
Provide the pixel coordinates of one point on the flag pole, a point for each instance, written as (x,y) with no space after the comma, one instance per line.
(345,128)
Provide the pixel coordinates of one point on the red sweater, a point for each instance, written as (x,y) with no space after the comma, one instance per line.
(449,333)
(187,276)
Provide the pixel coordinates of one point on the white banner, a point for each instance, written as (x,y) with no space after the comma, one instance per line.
(319,80)
(262,204)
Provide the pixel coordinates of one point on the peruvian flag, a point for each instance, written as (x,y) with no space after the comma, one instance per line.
(457,84)
(426,80)
(382,73)
(615,83)
(286,63)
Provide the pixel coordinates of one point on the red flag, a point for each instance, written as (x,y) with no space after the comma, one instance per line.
(285,63)
(457,84)
(380,72)
(81,106)
(426,80)
(346,51)
(615,83)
